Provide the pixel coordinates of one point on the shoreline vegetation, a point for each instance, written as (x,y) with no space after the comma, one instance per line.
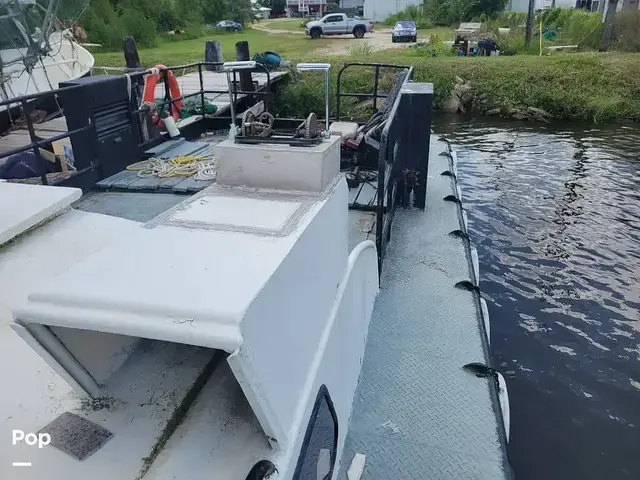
(592,87)
(584,85)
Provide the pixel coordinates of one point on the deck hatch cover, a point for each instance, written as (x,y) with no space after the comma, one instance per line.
(77,436)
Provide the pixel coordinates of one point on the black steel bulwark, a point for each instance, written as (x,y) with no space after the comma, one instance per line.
(403,161)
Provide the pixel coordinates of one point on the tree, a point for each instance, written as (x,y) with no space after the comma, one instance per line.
(240,10)
(528,30)
(486,7)
(276,6)
(609,23)
(450,12)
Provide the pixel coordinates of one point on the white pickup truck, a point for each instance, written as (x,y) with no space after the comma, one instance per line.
(338,24)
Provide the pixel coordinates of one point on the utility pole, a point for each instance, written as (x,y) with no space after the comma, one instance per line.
(609,21)
(528,31)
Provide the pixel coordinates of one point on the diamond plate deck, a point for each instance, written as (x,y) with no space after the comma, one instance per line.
(417,414)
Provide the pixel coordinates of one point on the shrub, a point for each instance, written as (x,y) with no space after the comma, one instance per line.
(579,27)
(361,49)
(410,13)
(510,20)
(142,29)
(627,31)
(103,25)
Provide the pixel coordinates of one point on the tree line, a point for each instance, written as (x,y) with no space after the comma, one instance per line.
(108,21)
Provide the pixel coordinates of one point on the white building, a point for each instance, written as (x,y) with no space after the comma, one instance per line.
(351,3)
(379,10)
(596,5)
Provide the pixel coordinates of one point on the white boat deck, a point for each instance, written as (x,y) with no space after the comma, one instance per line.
(417,414)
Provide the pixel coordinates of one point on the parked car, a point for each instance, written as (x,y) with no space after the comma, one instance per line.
(338,24)
(404,30)
(229,25)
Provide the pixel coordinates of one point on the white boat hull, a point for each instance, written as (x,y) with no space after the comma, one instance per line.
(67,60)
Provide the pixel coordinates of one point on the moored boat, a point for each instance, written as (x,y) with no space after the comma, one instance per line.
(171,327)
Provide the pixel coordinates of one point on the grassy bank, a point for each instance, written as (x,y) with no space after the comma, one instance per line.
(174,51)
(580,86)
(573,86)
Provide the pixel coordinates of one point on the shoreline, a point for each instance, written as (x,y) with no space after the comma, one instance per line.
(584,87)
(580,86)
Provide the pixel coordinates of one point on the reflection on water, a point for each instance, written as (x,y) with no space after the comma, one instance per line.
(555,215)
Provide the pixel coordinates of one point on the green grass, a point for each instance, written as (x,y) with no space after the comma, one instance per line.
(580,86)
(446,33)
(443,33)
(574,86)
(189,51)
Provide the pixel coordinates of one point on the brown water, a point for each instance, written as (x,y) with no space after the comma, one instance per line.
(554,211)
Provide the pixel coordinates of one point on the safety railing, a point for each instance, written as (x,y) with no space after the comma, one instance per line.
(376,84)
(25,105)
(264,94)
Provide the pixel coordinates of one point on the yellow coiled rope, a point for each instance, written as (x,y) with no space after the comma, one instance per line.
(201,167)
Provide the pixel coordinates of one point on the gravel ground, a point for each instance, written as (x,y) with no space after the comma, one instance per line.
(380,39)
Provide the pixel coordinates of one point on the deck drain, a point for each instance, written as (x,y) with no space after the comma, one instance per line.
(77,436)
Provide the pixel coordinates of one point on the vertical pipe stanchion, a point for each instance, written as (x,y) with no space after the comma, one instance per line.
(382,164)
(232,67)
(231,101)
(326,68)
(327,81)
(376,79)
(235,87)
(42,166)
(201,89)
(167,90)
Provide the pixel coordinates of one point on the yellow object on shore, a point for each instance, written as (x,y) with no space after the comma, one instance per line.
(540,38)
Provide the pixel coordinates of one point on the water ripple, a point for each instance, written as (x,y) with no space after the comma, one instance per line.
(555,215)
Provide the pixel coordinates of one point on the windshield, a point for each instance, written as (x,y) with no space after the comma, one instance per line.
(405,25)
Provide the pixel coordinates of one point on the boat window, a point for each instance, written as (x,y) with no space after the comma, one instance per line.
(318,452)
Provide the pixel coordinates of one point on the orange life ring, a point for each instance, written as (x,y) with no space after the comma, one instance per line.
(174,89)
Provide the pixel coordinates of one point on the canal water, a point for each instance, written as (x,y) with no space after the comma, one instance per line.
(554,211)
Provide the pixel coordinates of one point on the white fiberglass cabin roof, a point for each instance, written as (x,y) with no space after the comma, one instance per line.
(189,276)
(25,206)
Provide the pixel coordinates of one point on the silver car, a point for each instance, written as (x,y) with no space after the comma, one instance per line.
(404,30)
